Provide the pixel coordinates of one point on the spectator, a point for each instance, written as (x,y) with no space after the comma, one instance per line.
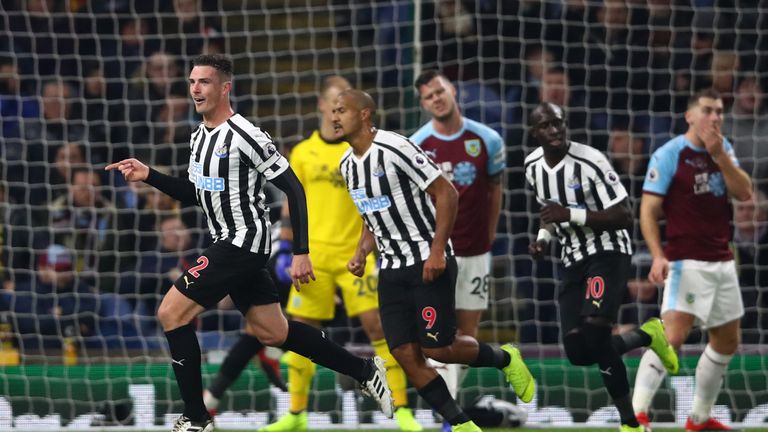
(170,134)
(56,304)
(68,156)
(750,220)
(83,221)
(627,152)
(158,268)
(159,77)
(188,31)
(15,242)
(556,89)
(105,121)
(15,103)
(747,126)
(43,39)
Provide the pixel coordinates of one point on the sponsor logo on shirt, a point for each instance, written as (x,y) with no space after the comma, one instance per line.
(366,205)
(464,173)
(212,184)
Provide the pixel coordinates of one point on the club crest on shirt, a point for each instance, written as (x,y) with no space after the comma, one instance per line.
(472,147)
(378,171)
(222,151)
(574,183)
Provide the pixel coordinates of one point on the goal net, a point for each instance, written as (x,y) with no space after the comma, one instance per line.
(86,257)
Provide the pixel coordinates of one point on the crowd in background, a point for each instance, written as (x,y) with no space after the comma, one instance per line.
(83,83)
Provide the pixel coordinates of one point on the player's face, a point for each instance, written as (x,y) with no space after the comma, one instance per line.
(346,117)
(207,89)
(548,127)
(706,114)
(438,97)
(328,101)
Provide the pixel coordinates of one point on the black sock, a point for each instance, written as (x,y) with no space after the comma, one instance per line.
(439,398)
(185,355)
(488,356)
(312,344)
(630,340)
(236,361)
(614,374)
(626,412)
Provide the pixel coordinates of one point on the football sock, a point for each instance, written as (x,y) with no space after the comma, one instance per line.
(630,340)
(185,357)
(395,374)
(488,356)
(437,396)
(236,361)
(650,375)
(300,373)
(709,378)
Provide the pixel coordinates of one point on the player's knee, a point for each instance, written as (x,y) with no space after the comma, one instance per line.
(441,354)
(269,336)
(677,338)
(168,317)
(577,349)
(409,356)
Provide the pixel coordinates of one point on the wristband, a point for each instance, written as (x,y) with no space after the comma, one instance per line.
(544,235)
(578,216)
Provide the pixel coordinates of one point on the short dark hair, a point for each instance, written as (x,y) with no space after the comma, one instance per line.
(427,76)
(219,62)
(708,93)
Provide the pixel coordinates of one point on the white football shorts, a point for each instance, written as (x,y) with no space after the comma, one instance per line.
(473,282)
(707,290)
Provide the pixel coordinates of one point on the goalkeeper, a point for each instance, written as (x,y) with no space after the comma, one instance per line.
(334,230)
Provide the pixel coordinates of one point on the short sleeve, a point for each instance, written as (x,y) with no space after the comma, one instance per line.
(608,184)
(497,157)
(661,169)
(262,153)
(412,161)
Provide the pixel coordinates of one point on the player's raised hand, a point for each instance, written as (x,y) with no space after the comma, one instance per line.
(356,265)
(659,270)
(301,270)
(713,141)
(132,169)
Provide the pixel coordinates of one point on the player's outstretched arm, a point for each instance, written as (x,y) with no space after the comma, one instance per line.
(177,188)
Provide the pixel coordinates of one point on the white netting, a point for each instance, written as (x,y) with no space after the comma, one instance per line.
(84,83)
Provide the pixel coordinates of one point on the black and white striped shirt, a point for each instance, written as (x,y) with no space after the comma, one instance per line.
(228,166)
(388,186)
(583,179)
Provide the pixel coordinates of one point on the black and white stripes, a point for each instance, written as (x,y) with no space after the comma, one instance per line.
(229,166)
(583,179)
(388,186)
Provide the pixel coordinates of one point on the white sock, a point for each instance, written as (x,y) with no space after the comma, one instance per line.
(450,374)
(709,378)
(650,375)
(209,400)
